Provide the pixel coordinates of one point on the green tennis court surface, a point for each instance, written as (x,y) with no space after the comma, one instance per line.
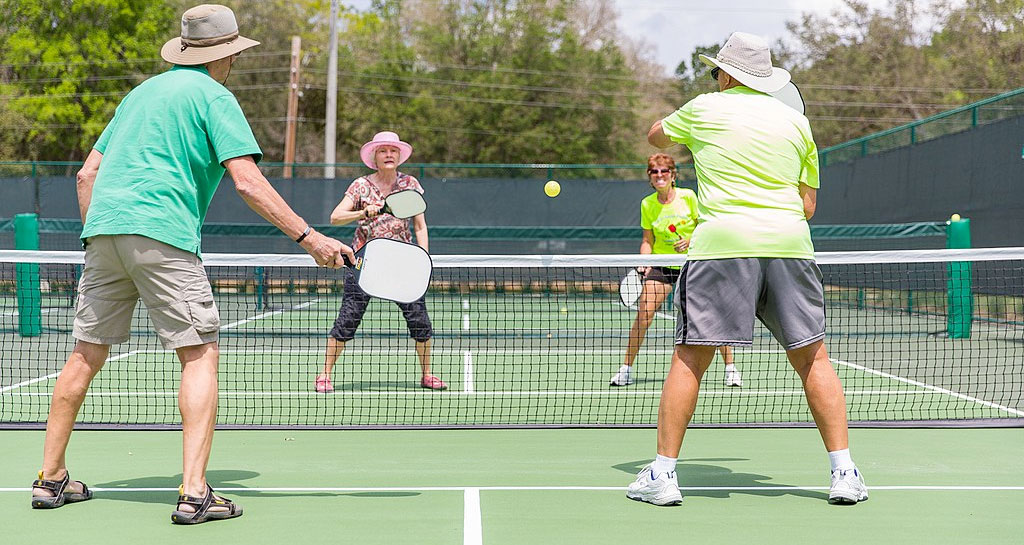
(529,486)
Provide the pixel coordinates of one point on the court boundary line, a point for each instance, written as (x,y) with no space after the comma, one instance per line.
(501,488)
(927,386)
(494,393)
(472,518)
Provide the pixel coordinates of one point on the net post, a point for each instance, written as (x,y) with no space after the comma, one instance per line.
(959,296)
(30,304)
(260,283)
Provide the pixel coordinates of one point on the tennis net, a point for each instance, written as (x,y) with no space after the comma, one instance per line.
(918,338)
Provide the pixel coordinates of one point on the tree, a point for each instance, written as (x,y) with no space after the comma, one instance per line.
(69,63)
(485,81)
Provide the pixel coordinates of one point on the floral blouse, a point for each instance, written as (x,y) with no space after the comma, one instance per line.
(363,193)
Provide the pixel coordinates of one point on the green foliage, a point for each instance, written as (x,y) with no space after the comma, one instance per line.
(70,62)
(502,81)
(483,81)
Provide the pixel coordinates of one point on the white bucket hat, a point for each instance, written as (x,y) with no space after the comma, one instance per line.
(747,58)
(208,32)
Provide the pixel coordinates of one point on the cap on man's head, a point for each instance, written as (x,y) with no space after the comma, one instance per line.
(208,32)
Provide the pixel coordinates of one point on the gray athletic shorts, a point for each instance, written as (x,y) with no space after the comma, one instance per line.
(718,299)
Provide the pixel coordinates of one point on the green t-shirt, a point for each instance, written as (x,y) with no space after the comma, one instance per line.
(751,153)
(163,155)
(656,217)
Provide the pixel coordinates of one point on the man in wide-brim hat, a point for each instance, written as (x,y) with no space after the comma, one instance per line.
(750,256)
(143,193)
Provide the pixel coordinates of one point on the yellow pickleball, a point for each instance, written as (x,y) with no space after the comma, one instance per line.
(552,189)
(954,217)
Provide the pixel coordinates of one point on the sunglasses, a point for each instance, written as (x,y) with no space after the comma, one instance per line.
(714,73)
(656,171)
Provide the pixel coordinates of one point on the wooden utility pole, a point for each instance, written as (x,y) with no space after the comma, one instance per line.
(293,108)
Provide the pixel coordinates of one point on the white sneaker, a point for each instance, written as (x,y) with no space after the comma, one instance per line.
(848,487)
(733,378)
(662,489)
(623,377)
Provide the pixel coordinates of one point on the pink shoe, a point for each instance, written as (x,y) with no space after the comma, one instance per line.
(323,385)
(433,383)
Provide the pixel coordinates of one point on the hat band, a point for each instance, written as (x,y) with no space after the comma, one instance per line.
(207,42)
(748,70)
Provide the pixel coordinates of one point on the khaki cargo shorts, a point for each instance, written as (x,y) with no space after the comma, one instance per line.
(172,283)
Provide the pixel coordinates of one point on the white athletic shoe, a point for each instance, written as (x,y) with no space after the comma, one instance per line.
(733,378)
(623,377)
(662,489)
(848,487)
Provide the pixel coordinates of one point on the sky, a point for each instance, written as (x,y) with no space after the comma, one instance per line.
(675,27)
(672,28)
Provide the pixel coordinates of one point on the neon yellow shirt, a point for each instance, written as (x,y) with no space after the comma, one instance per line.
(751,153)
(656,217)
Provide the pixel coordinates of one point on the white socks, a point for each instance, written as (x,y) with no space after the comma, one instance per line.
(663,464)
(730,368)
(841,460)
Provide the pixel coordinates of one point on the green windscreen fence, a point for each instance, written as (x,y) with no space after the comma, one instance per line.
(999,107)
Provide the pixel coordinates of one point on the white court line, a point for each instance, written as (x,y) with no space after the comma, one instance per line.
(54,375)
(133,352)
(496,393)
(272,313)
(472,526)
(539,488)
(44,311)
(930,387)
(467,372)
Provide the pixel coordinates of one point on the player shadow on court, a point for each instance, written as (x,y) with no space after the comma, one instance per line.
(221,479)
(700,472)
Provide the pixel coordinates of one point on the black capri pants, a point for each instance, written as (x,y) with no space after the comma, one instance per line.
(353,306)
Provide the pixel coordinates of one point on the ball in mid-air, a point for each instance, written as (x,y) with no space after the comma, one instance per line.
(954,217)
(552,189)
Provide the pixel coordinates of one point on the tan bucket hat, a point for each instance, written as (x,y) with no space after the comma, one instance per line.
(747,58)
(208,32)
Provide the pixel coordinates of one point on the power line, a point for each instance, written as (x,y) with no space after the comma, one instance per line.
(529,103)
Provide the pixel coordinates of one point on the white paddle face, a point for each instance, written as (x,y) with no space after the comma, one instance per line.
(790,96)
(630,288)
(393,270)
(405,204)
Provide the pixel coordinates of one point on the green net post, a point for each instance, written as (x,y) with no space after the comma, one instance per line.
(959,296)
(30,298)
(260,283)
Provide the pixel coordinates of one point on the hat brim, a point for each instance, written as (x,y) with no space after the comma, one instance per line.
(370,148)
(766,84)
(192,56)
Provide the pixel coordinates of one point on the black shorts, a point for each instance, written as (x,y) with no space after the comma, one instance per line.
(665,275)
(353,306)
